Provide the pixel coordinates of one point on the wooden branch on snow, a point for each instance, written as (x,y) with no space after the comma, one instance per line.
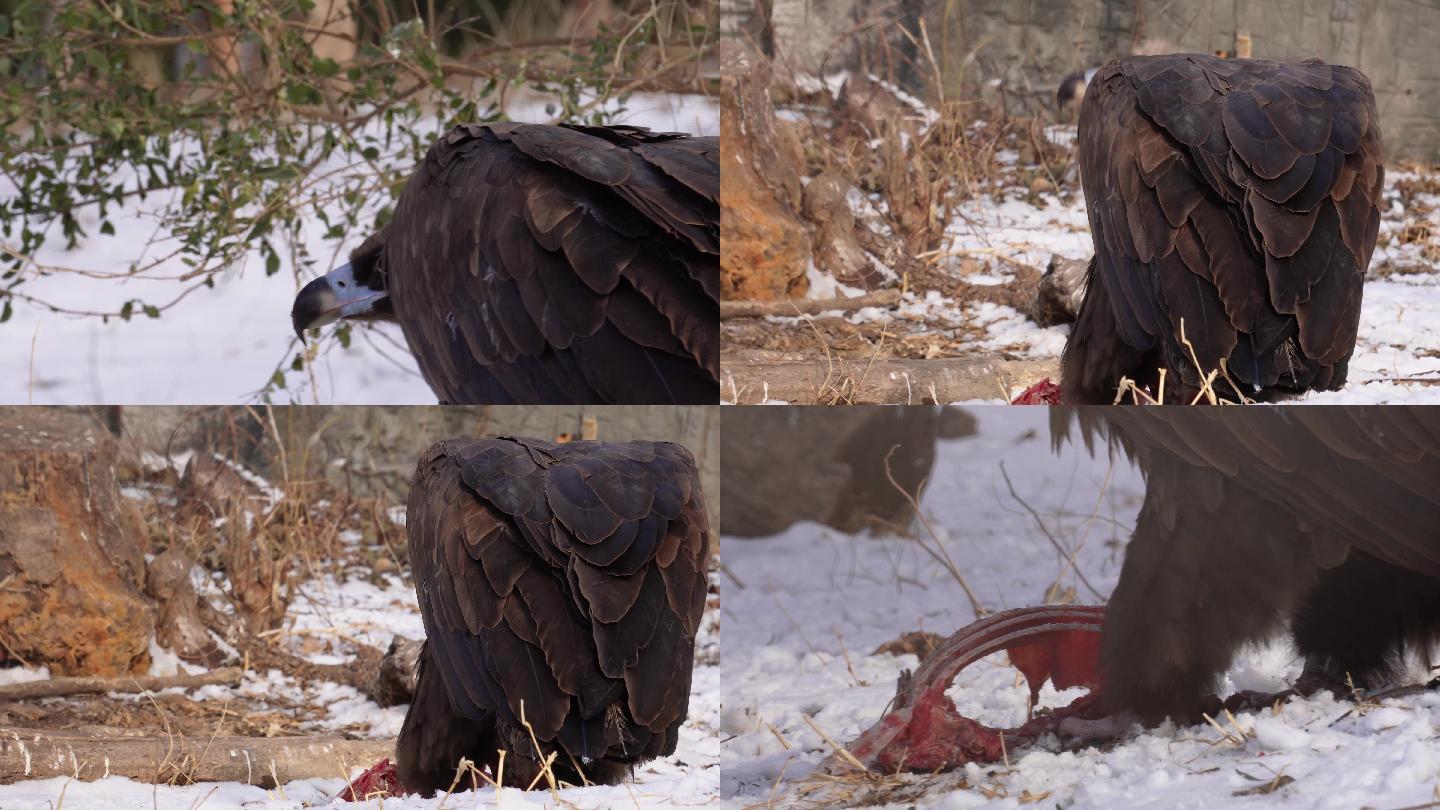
(806,306)
(59,687)
(36,754)
(749,377)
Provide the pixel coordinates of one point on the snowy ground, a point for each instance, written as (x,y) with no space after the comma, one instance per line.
(362,610)
(371,609)
(220,345)
(816,603)
(1397,353)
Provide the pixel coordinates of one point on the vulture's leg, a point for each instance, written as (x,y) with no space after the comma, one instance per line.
(522,771)
(1356,624)
(1197,583)
(435,737)
(1095,356)
(605,772)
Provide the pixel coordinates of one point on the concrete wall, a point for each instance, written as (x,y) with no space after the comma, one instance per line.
(381,444)
(1030,44)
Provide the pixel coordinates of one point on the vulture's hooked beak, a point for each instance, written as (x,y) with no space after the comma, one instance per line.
(333,296)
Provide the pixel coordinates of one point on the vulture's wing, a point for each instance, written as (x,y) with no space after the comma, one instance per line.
(534,263)
(1244,508)
(1240,196)
(567,578)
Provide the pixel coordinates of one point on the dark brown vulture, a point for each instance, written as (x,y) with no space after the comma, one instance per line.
(1324,516)
(1238,196)
(565,582)
(530,263)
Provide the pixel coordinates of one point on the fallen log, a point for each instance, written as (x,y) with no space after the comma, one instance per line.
(807,306)
(59,687)
(751,377)
(262,761)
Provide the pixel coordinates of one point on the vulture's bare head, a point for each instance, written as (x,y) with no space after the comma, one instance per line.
(1072,89)
(355,291)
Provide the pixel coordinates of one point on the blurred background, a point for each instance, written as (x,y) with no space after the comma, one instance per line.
(1017,53)
(173,171)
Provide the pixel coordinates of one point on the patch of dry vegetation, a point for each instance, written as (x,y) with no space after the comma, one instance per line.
(893,170)
(256,542)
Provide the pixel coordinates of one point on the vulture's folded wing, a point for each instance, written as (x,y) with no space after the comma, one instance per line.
(564,579)
(1239,196)
(557,264)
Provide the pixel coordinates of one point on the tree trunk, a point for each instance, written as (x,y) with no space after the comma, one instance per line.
(764,246)
(71,549)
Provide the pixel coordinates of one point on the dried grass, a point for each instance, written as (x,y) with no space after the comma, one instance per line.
(1206,392)
(267,541)
(921,160)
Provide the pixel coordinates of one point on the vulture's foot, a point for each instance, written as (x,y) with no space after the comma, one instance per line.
(1322,673)
(1317,677)
(605,772)
(1250,700)
(1310,683)
(526,772)
(1080,728)
(381,780)
(924,732)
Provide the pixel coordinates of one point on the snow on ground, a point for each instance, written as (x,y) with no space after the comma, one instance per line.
(798,640)
(223,344)
(360,608)
(1397,355)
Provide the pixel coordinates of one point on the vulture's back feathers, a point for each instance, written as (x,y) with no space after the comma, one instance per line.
(533,263)
(1240,196)
(565,579)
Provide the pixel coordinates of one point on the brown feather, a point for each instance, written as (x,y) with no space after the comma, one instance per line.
(1209,185)
(600,651)
(509,239)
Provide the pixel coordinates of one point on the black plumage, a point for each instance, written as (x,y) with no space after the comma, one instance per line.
(1327,519)
(563,581)
(1238,196)
(531,263)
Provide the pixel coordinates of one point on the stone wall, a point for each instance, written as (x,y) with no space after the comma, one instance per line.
(1029,46)
(380,444)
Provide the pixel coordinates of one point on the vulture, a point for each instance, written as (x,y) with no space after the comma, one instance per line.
(530,263)
(561,587)
(1327,518)
(1321,521)
(1234,206)
(1072,88)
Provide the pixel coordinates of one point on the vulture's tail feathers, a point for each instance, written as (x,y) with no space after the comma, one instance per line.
(1094,358)
(434,737)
